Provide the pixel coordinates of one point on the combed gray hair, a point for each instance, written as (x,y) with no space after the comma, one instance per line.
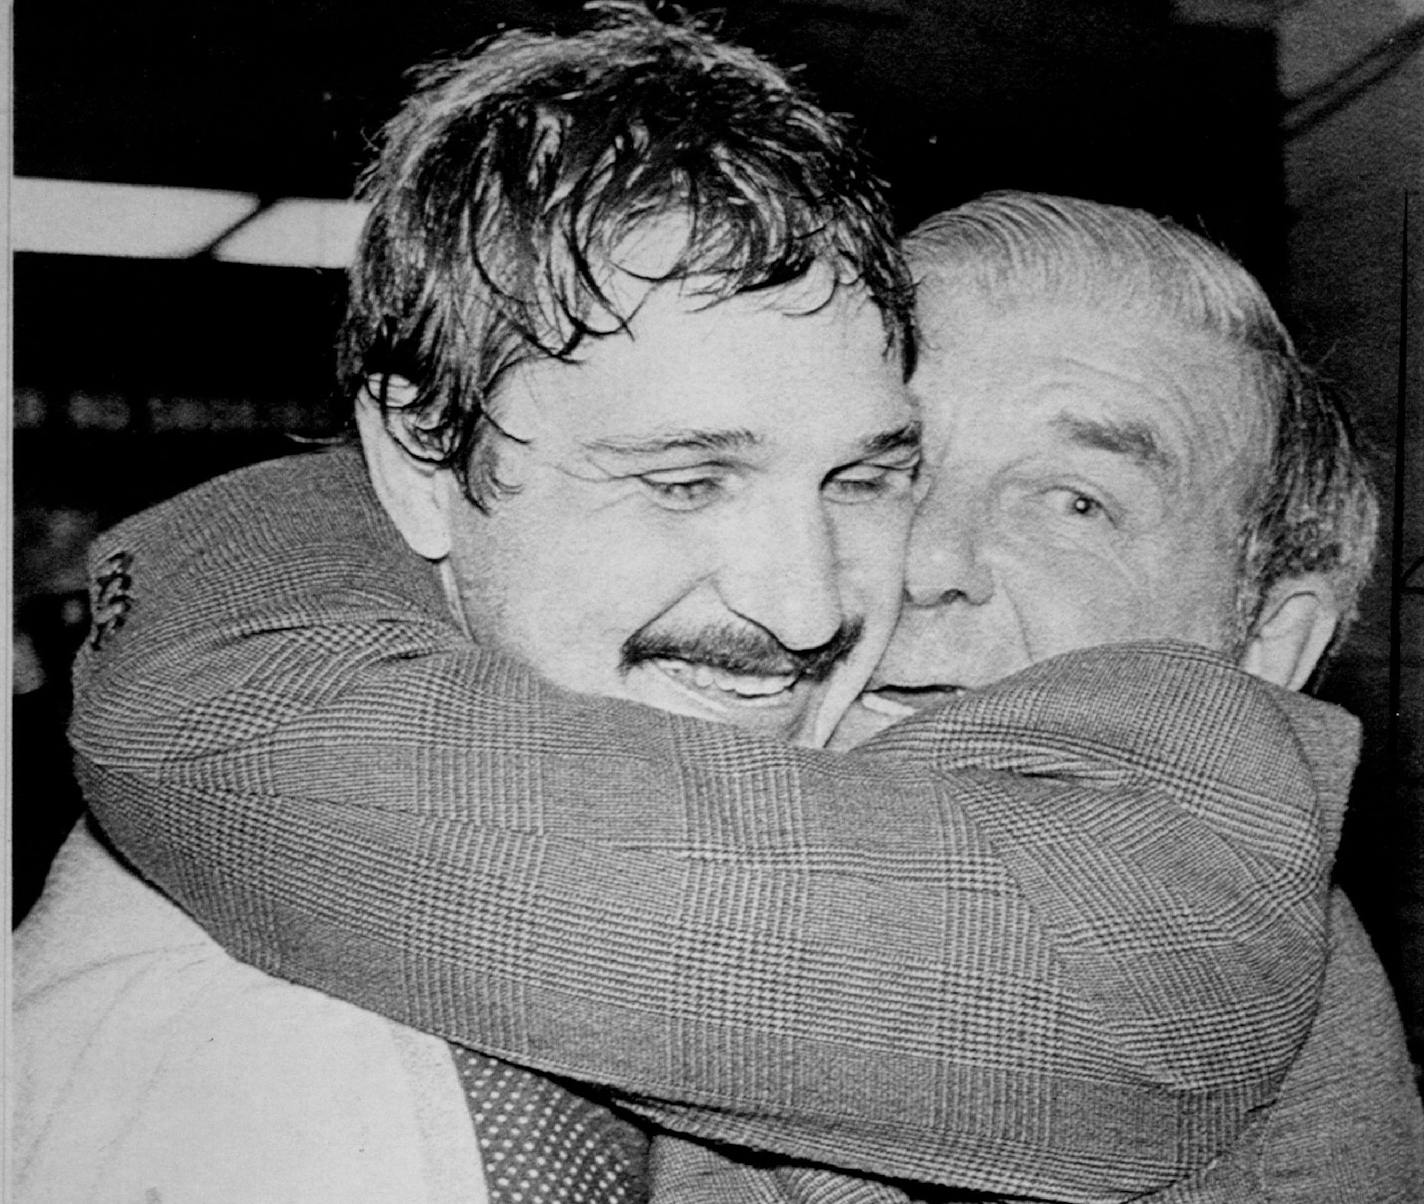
(1312,508)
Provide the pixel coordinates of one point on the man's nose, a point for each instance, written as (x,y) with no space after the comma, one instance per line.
(783,576)
(945,561)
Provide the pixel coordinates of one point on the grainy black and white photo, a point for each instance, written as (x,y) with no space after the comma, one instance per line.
(782,602)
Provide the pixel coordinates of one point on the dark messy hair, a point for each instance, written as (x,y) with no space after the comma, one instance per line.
(505,185)
(1311,507)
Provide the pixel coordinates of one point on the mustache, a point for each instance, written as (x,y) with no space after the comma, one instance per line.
(742,650)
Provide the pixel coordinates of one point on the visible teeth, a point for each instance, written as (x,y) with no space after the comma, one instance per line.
(744,685)
(754,687)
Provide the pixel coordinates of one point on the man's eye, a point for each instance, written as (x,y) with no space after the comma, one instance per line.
(680,491)
(867,482)
(1073,503)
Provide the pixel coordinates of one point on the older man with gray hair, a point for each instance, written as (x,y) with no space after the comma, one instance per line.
(1124,444)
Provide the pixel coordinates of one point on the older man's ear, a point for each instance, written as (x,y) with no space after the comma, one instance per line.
(410,486)
(1295,627)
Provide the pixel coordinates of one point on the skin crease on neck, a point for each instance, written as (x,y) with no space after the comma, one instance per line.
(1085,477)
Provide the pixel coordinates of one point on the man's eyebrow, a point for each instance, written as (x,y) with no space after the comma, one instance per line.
(902,438)
(682,440)
(1130,437)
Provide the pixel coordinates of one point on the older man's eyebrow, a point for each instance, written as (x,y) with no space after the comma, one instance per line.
(661,442)
(1129,437)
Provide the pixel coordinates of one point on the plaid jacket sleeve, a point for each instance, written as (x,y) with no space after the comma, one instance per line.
(1059,939)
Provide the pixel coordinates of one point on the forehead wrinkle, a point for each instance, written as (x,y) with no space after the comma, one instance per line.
(1133,438)
(738,439)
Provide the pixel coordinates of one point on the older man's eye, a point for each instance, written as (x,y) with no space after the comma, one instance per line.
(1073,503)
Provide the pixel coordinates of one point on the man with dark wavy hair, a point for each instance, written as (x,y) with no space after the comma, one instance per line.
(628,333)
(514,192)
(626,347)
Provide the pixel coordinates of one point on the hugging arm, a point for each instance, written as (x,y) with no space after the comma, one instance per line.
(1059,939)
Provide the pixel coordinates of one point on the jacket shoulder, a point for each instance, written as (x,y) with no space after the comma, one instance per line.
(281,536)
(274,494)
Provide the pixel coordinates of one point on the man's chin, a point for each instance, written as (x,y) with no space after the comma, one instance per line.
(839,694)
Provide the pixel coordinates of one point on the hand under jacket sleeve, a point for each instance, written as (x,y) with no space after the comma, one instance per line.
(1058,938)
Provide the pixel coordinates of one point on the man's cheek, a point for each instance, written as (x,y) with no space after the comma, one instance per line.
(874,556)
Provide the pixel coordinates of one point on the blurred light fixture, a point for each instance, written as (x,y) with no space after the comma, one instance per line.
(133,221)
(296,231)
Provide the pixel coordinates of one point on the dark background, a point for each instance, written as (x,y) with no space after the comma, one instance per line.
(135,379)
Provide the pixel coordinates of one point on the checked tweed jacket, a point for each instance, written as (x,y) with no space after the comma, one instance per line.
(1058,939)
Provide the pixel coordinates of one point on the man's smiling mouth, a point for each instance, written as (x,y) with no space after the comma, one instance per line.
(753,688)
(735,674)
(734,670)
